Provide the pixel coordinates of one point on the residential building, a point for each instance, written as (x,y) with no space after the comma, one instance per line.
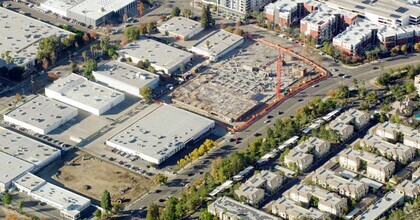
(125,77)
(416,174)
(382,206)
(355,117)
(314,146)
(40,114)
(417,83)
(180,28)
(153,51)
(250,194)
(79,92)
(301,160)
(351,188)
(227,208)
(397,152)
(382,12)
(345,131)
(287,209)
(20,38)
(12,168)
(267,180)
(387,130)
(356,38)
(397,36)
(327,201)
(217,44)
(322,24)
(377,167)
(237,9)
(156,142)
(70,204)
(287,13)
(408,189)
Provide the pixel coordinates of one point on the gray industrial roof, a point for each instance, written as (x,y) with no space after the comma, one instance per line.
(20,35)
(165,128)
(30,181)
(80,89)
(376,210)
(126,73)
(96,9)
(219,41)
(25,148)
(180,26)
(12,167)
(42,112)
(157,53)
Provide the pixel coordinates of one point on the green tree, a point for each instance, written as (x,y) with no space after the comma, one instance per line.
(206,19)
(20,206)
(132,33)
(160,179)
(260,18)
(73,66)
(205,215)
(175,12)
(187,13)
(106,201)
(146,92)
(84,55)
(89,66)
(104,42)
(152,212)
(404,49)
(150,27)
(409,87)
(7,199)
(98,213)
(371,97)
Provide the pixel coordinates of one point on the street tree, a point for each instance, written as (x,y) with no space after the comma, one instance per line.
(97,213)
(132,33)
(187,13)
(152,212)
(106,201)
(175,12)
(146,92)
(150,27)
(84,55)
(404,49)
(7,199)
(20,206)
(85,38)
(205,215)
(159,179)
(140,7)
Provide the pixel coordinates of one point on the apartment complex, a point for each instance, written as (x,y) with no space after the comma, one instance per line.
(287,13)
(351,188)
(327,201)
(393,36)
(300,159)
(355,117)
(288,209)
(254,189)
(237,8)
(377,167)
(387,130)
(322,24)
(345,131)
(381,207)
(410,189)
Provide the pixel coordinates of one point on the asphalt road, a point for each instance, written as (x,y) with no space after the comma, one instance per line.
(289,107)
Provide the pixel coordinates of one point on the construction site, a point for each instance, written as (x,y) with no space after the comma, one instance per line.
(90,176)
(230,91)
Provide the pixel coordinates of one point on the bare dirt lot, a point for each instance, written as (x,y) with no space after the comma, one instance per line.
(91,176)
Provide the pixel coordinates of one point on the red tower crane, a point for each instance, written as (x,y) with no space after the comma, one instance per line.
(280,61)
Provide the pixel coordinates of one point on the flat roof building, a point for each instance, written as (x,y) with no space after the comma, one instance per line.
(27,149)
(161,56)
(351,188)
(289,12)
(11,168)
(89,12)
(382,206)
(217,44)
(398,151)
(287,209)
(227,208)
(377,167)
(70,204)
(79,92)
(180,28)
(41,115)
(125,77)
(161,133)
(20,36)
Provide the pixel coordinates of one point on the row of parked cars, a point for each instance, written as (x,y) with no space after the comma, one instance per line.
(127,165)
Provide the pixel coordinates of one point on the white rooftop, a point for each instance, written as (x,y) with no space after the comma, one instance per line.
(321,16)
(180,26)
(219,41)
(160,131)
(42,112)
(126,73)
(80,89)
(96,9)
(12,167)
(355,33)
(25,148)
(62,5)
(376,210)
(30,181)
(20,35)
(157,53)
(66,200)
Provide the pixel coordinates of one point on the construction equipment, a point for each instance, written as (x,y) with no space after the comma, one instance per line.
(280,63)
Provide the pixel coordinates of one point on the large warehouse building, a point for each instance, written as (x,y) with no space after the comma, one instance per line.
(79,92)
(27,149)
(20,35)
(218,44)
(70,204)
(11,168)
(161,133)
(161,56)
(125,77)
(41,115)
(89,12)
(180,28)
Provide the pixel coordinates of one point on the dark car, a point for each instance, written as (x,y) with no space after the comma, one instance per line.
(257,134)
(300,100)
(280,113)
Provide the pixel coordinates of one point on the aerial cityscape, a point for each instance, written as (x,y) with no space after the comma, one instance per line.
(210,109)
